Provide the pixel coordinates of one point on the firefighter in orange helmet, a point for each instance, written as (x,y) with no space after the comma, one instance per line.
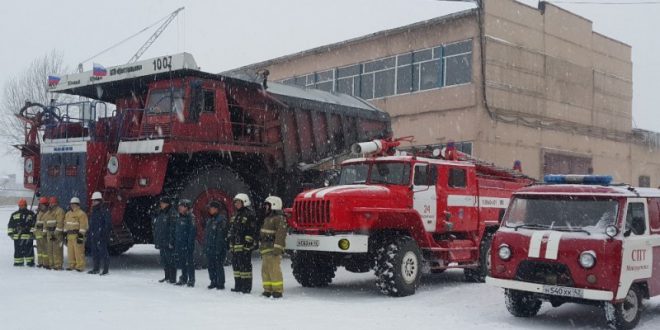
(39,233)
(55,236)
(18,229)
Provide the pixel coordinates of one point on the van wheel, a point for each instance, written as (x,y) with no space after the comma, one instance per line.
(480,273)
(625,315)
(521,304)
(399,267)
(312,269)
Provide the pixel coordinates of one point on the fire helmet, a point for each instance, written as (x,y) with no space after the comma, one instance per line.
(75,200)
(97,196)
(275,203)
(43,200)
(243,198)
(22,203)
(53,200)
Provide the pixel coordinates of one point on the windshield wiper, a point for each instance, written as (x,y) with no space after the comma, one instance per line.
(572,230)
(530,225)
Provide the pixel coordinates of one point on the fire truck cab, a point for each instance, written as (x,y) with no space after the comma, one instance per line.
(400,215)
(578,239)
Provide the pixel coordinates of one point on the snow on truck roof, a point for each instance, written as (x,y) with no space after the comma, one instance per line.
(108,84)
(589,190)
(407,159)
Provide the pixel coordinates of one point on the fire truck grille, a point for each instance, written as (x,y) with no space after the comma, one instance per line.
(312,213)
(544,273)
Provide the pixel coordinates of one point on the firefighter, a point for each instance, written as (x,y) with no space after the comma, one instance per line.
(18,229)
(241,242)
(184,245)
(271,247)
(55,237)
(99,234)
(40,235)
(215,245)
(164,230)
(75,228)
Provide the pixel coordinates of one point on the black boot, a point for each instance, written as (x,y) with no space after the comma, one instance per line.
(277,295)
(167,276)
(238,285)
(182,281)
(212,286)
(172,272)
(93,271)
(247,285)
(266,294)
(104,272)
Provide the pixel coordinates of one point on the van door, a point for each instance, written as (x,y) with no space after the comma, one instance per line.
(637,249)
(654,227)
(424,194)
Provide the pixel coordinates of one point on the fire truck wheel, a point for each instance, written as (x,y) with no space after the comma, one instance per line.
(479,274)
(398,267)
(627,312)
(521,304)
(312,269)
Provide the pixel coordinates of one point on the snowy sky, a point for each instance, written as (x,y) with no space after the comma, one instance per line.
(231,33)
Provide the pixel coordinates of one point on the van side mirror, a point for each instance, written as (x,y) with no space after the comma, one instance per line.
(638,225)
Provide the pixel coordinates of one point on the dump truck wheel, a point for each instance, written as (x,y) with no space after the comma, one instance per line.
(398,267)
(312,269)
(521,304)
(203,186)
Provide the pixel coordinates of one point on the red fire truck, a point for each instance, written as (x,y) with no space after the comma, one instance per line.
(401,215)
(161,126)
(578,239)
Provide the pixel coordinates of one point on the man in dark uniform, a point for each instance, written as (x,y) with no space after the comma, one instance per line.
(99,234)
(184,245)
(242,228)
(215,245)
(164,230)
(18,229)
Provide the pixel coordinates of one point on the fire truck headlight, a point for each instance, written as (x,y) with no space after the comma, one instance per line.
(611,231)
(29,165)
(588,259)
(504,252)
(113,165)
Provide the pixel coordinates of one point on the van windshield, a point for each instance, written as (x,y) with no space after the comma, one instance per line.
(566,213)
(394,173)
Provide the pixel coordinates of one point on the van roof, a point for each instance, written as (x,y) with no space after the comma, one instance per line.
(589,190)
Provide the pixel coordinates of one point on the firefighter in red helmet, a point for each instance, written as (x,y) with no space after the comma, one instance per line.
(20,223)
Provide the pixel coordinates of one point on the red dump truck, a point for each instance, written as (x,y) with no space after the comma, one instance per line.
(401,215)
(162,126)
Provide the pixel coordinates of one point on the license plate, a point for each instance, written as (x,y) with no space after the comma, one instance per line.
(307,243)
(563,291)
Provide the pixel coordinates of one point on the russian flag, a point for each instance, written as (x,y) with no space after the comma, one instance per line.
(53,80)
(99,70)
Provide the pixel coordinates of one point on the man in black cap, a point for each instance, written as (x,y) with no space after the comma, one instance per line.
(164,223)
(215,245)
(184,242)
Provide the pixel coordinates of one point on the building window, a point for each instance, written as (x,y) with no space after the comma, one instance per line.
(423,69)
(558,163)
(645,181)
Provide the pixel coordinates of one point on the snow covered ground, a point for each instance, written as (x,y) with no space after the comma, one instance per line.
(131,298)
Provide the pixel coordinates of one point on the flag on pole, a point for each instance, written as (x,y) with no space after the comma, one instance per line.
(99,70)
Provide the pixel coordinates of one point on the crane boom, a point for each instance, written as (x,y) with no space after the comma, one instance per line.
(154,36)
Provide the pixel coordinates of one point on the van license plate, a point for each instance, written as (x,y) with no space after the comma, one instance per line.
(563,291)
(307,243)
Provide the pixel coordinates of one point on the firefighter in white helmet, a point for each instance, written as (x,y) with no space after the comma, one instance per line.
(75,229)
(271,246)
(242,228)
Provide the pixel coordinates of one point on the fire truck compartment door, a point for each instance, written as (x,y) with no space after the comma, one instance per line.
(637,250)
(425,199)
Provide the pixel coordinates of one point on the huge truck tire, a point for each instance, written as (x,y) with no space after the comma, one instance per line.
(521,304)
(116,250)
(312,269)
(480,273)
(399,267)
(203,186)
(625,315)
